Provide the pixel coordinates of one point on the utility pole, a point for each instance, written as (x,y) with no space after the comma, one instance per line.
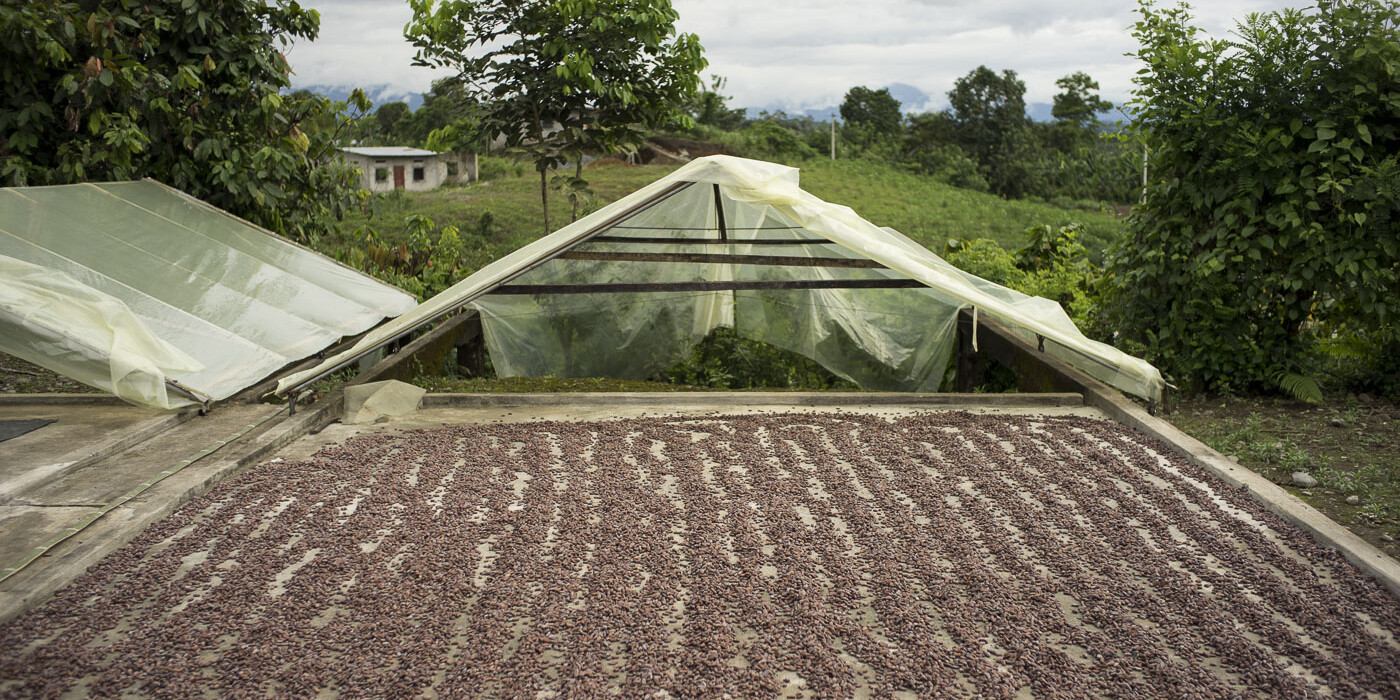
(833,137)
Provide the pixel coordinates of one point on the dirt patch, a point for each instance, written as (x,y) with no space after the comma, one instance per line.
(1351,446)
(20,377)
(941,555)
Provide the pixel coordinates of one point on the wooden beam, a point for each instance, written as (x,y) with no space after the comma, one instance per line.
(755,285)
(719,214)
(786,260)
(666,240)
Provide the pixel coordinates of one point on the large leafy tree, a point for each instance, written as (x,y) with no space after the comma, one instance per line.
(876,111)
(557,77)
(1271,209)
(930,147)
(184,92)
(1078,102)
(990,112)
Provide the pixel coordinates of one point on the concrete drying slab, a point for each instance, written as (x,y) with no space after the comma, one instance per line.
(80,434)
(873,553)
(48,494)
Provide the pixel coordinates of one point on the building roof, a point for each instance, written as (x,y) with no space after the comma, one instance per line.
(389,152)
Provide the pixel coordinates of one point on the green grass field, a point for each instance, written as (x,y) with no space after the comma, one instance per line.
(931,212)
(499,215)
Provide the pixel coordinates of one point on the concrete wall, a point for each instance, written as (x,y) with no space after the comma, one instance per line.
(379,173)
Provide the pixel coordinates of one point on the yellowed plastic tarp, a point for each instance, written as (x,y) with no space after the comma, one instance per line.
(878,338)
(81,332)
(228,302)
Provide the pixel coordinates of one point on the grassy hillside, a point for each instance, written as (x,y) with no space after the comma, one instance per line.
(931,212)
(499,215)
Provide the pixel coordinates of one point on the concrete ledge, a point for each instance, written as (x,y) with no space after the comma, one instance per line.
(665,399)
(1117,407)
(1274,497)
(61,400)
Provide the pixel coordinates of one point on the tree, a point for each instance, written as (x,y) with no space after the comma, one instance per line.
(391,118)
(876,111)
(186,94)
(990,111)
(930,147)
(555,78)
(1271,212)
(710,107)
(447,108)
(1079,103)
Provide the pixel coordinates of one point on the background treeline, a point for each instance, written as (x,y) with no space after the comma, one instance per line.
(983,141)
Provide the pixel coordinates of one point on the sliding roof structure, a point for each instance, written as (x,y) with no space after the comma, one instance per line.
(164,300)
(725,241)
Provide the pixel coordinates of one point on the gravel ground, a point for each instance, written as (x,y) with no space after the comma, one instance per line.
(940,555)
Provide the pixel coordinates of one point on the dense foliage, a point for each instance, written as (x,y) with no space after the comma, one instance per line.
(1053,264)
(1269,220)
(187,93)
(876,110)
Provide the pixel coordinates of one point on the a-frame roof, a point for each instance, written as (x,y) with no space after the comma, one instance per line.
(773,191)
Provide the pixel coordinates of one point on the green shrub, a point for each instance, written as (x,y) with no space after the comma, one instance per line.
(986,259)
(497,167)
(1275,179)
(768,140)
(1053,265)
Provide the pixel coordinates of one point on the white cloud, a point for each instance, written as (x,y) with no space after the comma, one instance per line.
(808,53)
(361,43)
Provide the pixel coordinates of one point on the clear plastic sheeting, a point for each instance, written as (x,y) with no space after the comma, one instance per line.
(671,232)
(880,339)
(81,332)
(237,301)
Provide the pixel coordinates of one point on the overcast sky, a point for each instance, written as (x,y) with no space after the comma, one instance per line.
(800,54)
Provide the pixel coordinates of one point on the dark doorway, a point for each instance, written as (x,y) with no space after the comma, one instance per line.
(398,177)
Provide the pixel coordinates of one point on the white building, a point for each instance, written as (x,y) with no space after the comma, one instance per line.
(388,168)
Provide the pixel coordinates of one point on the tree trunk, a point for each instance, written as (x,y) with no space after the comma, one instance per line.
(544,197)
(543,166)
(578,175)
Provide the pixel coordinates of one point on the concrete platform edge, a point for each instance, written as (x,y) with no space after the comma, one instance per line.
(662,399)
(1276,499)
(1279,501)
(61,400)
(140,433)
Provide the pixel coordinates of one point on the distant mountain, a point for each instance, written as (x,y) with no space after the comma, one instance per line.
(378,94)
(1040,111)
(912,99)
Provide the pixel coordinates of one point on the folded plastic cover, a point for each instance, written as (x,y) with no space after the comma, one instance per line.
(878,338)
(228,303)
